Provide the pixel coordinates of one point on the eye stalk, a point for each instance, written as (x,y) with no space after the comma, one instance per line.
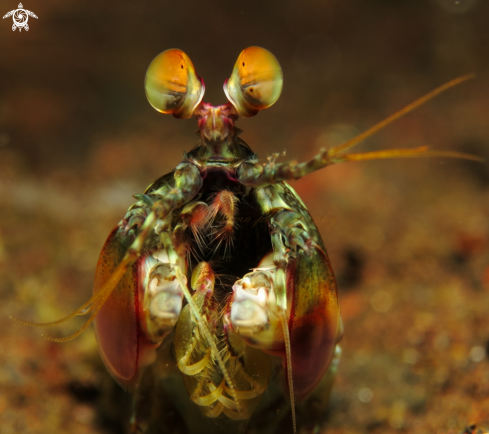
(255,83)
(172,85)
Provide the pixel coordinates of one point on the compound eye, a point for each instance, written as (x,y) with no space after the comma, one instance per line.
(255,83)
(172,85)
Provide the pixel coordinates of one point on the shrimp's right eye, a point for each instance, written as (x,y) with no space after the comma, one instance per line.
(172,85)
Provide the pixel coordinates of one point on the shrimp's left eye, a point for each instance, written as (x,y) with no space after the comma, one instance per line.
(255,83)
(172,85)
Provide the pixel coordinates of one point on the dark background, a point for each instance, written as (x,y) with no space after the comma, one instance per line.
(408,239)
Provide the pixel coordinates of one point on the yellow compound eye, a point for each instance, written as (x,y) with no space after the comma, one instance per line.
(255,83)
(172,85)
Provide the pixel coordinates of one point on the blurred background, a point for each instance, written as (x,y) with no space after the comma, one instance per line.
(408,239)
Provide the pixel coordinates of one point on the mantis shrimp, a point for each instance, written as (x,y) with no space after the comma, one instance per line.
(215,290)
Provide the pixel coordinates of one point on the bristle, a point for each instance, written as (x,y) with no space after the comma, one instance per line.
(224,203)
(198,224)
(228,206)
(198,233)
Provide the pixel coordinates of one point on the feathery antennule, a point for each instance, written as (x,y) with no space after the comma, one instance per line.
(211,212)
(198,224)
(224,204)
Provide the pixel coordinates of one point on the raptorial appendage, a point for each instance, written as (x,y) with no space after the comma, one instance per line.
(141,306)
(252,310)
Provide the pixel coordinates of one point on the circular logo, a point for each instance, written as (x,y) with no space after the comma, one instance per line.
(20,17)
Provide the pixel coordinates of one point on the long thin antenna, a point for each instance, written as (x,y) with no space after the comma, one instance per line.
(288,361)
(260,176)
(409,108)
